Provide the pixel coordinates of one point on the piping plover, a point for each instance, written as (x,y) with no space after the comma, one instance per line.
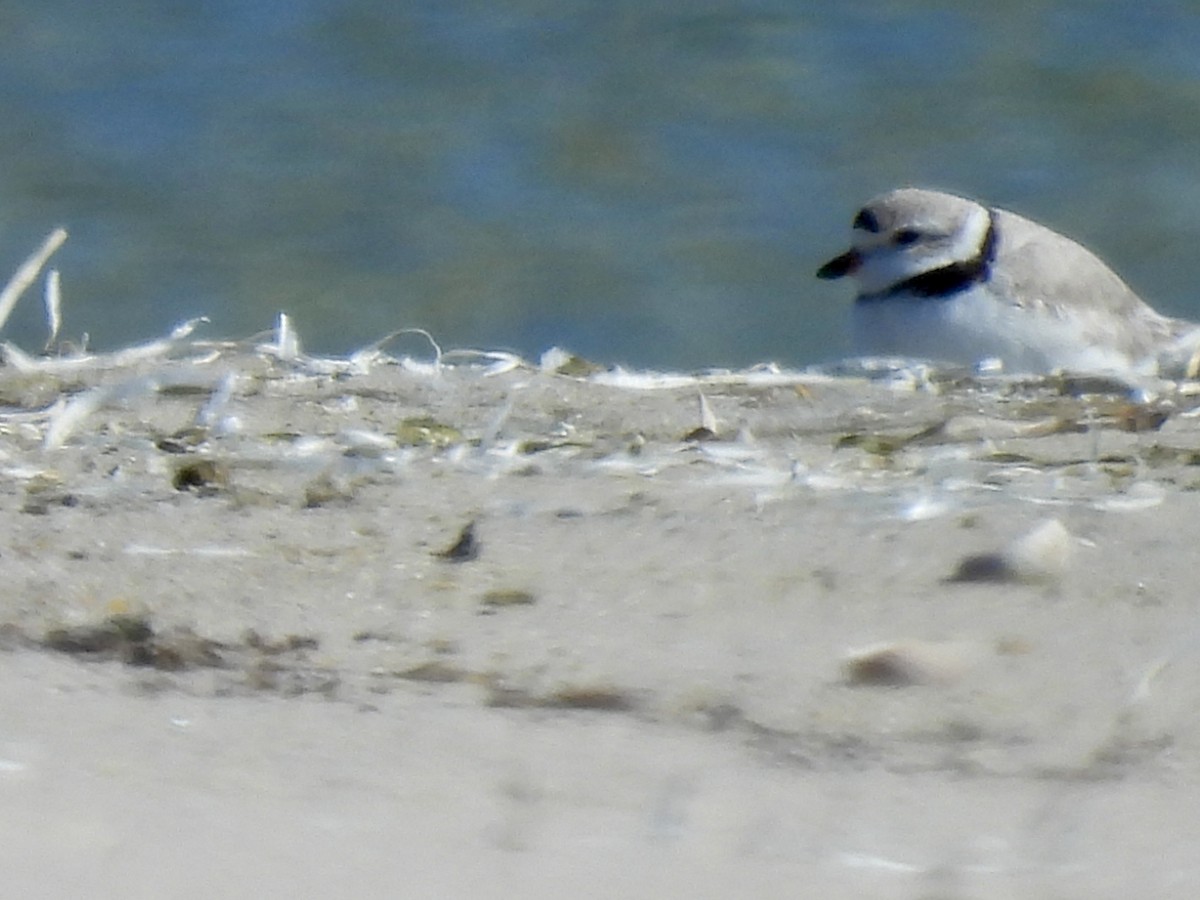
(947,279)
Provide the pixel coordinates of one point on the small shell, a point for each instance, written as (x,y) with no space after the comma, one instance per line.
(464,549)
(907,662)
(1040,557)
(1043,554)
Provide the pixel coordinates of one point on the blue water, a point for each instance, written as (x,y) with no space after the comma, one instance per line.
(643,182)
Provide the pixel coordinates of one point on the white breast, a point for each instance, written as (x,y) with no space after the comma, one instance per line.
(974,325)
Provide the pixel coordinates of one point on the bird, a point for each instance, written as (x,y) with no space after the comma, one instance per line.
(947,279)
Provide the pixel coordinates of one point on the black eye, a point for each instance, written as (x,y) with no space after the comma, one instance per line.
(906,236)
(866,221)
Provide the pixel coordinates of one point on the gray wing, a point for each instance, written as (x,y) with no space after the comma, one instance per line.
(1044,268)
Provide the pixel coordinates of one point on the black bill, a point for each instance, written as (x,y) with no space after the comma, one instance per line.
(845,264)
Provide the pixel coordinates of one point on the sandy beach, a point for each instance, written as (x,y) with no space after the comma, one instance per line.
(475,627)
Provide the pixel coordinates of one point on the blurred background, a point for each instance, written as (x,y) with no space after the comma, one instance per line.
(644,182)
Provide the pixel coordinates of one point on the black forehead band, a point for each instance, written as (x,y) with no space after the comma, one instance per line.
(866,221)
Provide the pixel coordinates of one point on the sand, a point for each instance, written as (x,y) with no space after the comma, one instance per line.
(246,654)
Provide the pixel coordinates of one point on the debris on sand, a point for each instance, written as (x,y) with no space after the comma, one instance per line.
(1041,556)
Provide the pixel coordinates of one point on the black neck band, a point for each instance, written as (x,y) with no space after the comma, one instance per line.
(948,280)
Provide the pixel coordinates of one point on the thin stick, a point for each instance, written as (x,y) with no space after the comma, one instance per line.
(27,272)
(53,299)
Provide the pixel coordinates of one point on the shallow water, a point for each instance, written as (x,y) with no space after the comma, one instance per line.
(641,182)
